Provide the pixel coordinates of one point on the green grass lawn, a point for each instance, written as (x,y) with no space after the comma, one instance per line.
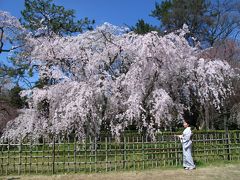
(216,170)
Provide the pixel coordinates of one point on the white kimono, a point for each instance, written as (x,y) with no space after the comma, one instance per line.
(187,148)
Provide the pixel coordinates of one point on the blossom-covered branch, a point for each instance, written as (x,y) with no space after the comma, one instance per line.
(110,78)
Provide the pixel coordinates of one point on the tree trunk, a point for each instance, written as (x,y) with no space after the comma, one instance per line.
(206,111)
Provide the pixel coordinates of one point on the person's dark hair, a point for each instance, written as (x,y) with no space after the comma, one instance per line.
(187,117)
(187,121)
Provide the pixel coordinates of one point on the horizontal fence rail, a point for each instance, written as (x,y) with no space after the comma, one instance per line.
(133,152)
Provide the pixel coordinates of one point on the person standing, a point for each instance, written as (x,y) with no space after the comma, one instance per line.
(186,141)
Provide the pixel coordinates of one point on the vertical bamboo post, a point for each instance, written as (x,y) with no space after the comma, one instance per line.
(53,155)
(64,155)
(115,155)
(128,146)
(164,153)
(223,139)
(159,159)
(235,144)
(152,154)
(156,154)
(176,151)
(14,158)
(138,150)
(68,153)
(168,154)
(216,143)
(234,150)
(95,153)
(43,144)
(74,154)
(110,153)
(30,158)
(124,152)
(2,147)
(25,151)
(229,146)
(36,158)
(49,154)
(143,159)
(238,145)
(204,147)
(90,154)
(148,146)
(20,157)
(211,146)
(134,156)
(85,155)
(106,151)
(8,156)
(197,143)
(57,154)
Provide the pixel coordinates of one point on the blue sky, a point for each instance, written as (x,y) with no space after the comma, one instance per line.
(117,12)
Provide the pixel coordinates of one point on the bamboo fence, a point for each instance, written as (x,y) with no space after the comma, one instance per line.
(133,152)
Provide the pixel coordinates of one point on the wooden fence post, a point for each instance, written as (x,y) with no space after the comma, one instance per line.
(95,153)
(227,143)
(143,158)
(74,154)
(124,154)
(8,162)
(2,146)
(53,156)
(106,151)
(176,150)
(19,162)
(131,153)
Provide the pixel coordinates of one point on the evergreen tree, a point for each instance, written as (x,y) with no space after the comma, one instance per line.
(208,21)
(142,28)
(43,16)
(15,99)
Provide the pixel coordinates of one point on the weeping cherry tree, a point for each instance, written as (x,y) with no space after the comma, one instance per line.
(113,78)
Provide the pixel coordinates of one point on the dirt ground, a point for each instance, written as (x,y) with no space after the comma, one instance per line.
(211,172)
